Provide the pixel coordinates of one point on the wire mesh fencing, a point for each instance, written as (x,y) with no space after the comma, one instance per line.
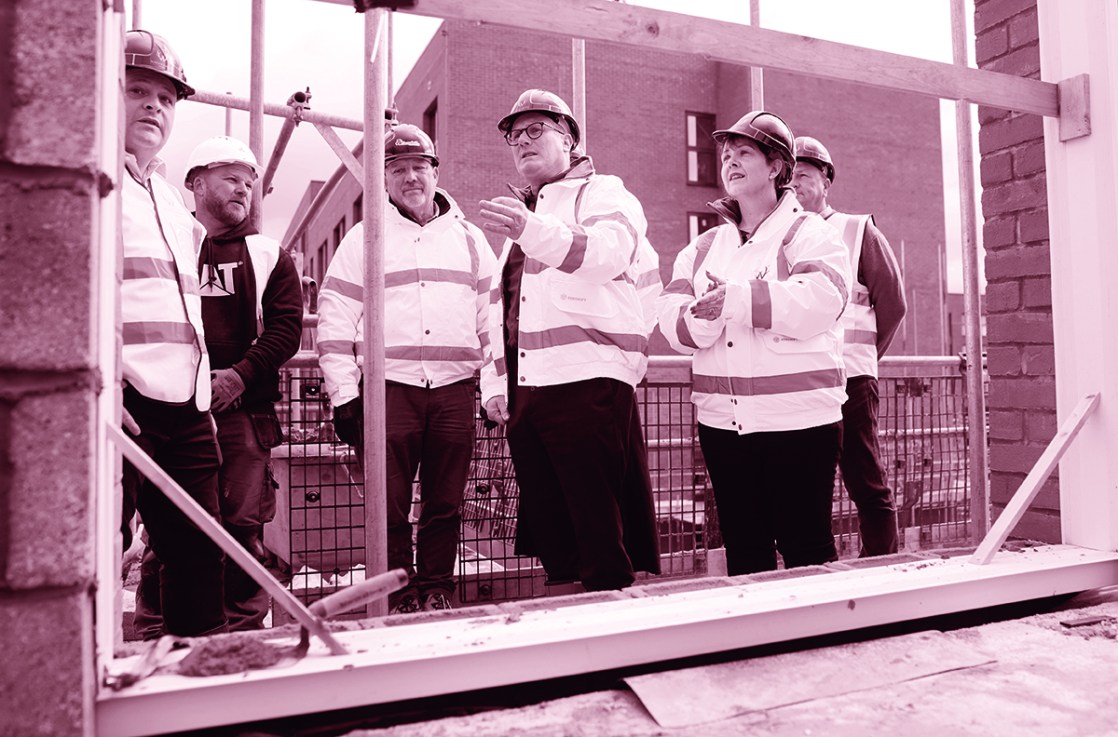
(318,536)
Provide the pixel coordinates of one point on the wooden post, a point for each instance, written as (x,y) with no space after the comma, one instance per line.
(376,551)
(1082,172)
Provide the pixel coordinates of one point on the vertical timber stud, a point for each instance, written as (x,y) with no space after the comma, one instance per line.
(256,107)
(1080,37)
(376,553)
(976,398)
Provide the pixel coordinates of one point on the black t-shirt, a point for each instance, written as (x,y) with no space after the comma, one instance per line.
(228,289)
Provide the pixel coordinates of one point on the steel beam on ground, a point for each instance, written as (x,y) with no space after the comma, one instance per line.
(522,644)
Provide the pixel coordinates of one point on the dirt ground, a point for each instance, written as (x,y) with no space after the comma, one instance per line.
(1052,673)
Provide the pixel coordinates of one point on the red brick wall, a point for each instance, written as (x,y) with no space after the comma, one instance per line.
(1022,399)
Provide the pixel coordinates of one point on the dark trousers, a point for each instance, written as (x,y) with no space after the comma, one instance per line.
(571,447)
(181,440)
(861,468)
(773,491)
(430,431)
(247,502)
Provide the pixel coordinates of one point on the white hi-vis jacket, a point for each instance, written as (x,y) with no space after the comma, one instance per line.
(587,265)
(859,321)
(436,302)
(164,349)
(773,360)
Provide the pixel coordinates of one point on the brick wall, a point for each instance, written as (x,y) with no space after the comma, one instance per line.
(1020,355)
(48,201)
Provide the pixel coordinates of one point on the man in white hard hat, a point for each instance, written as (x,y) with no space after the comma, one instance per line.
(437,273)
(164,362)
(252,309)
(569,344)
(870,320)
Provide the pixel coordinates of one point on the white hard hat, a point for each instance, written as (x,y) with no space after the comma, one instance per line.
(218,151)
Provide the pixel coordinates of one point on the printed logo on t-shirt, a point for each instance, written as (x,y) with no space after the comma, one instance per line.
(219,282)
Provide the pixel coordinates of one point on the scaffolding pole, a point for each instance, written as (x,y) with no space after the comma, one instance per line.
(756,74)
(972,310)
(256,110)
(373,408)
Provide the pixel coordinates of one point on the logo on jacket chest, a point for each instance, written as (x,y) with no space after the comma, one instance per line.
(218,279)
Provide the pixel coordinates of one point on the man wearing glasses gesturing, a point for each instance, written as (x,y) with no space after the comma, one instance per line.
(568,344)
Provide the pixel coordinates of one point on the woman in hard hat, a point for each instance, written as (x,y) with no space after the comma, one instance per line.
(757,301)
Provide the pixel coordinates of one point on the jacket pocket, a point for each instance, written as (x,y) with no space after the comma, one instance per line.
(582,298)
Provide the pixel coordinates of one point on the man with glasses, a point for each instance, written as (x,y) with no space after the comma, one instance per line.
(568,345)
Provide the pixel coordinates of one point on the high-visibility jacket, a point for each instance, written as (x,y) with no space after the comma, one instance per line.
(863,344)
(585,253)
(773,360)
(164,351)
(437,279)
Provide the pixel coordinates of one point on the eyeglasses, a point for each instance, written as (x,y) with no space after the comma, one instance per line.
(533,131)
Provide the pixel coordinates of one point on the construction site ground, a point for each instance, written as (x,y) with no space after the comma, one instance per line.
(1043,667)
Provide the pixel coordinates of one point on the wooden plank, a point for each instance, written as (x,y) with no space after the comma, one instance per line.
(736,43)
(448,655)
(1075,107)
(1030,487)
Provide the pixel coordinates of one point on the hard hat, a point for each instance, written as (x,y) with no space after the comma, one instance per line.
(811,150)
(770,131)
(540,101)
(145,50)
(219,151)
(407,140)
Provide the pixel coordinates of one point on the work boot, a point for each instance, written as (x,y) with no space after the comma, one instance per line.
(436,602)
(406,604)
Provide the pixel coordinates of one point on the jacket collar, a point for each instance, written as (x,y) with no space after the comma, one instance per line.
(155,166)
(444,205)
(786,206)
(580,168)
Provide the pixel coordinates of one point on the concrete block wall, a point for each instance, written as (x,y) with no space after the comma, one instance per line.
(1020,353)
(49,195)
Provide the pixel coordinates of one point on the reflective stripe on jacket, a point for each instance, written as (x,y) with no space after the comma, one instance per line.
(773,360)
(164,352)
(859,321)
(585,252)
(437,279)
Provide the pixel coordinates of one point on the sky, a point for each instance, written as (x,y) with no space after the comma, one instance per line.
(320,45)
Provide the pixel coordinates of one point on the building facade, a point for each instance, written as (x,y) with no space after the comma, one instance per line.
(649,115)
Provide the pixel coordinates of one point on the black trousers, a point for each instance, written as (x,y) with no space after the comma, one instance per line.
(182,441)
(861,468)
(429,431)
(571,446)
(773,491)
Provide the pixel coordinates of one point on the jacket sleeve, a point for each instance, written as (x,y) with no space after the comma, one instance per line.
(340,312)
(486,282)
(602,245)
(282,306)
(684,332)
(811,299)
(646,276)
(881,274)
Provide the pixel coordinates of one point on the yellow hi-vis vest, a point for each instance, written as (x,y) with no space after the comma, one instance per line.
(859,321)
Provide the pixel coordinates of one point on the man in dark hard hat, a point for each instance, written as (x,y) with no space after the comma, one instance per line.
(870,320)
(437,274)
(164,362)
(569,342)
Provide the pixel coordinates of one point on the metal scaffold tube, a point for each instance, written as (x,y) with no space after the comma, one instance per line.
(976,399)
(375,466)
(256,110)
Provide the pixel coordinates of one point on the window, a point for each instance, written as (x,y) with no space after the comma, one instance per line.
(700,222)
(430,118)
(358,208)
(702,152)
